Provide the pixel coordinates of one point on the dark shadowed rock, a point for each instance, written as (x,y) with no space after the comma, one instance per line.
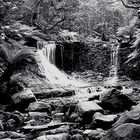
(103,121)
(77,137)
(40,117)
(96,134)
(10,134)
(54,93)
(94,97)
(74,117)
(88,108)
(39,106)
(132,116)
(118,87)
(115,101)
(22,99)
(61,129)
(128,131)
(11,121)
(76,131)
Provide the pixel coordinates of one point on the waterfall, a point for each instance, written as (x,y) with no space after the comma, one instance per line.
(113,74)
(50,52)
(114,61)
(53,75)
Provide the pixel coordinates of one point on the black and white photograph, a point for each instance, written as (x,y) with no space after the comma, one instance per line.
(69,69)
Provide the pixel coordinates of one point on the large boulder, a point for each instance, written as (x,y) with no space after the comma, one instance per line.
(88,108)
(128,131)
(132,116)
(22,99)
(115,101)
(103,121)
(39,106)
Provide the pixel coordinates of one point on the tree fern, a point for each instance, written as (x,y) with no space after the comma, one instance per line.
(134,57)
(15,59)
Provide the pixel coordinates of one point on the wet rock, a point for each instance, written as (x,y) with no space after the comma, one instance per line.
(11,121)
(55,103)
(77,137)
(59,117)
(128,131)
(132,116)
(118,87)
(103,121)
(97,102)
(76,131)
(51,125)
(86,133)
(68,109)
(31,123)
(4,107)
(115,101)
(22,99)
(96,134)
(40,117)
(39,106)
(11,134)
(62,136)
(54,93)
(1,125)
(61,129)
(94,97)
(4,94)
(74,117)
(88,108)
(135,89)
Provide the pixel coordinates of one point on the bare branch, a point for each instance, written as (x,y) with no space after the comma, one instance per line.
(55,24)
(129,6)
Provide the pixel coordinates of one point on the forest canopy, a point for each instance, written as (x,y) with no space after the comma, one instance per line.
(23,22)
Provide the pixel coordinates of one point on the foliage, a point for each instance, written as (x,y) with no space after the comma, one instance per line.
(134,57)
(68,36)
(24,22)
(131,36)
(14,59)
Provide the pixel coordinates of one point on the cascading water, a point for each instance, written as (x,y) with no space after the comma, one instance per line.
(46,53)
(114,61)
(113,74)
(50,52)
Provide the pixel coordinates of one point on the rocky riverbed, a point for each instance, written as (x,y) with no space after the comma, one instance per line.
(85,113)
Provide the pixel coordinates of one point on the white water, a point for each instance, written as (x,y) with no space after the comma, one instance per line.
(113,74)
(53,75)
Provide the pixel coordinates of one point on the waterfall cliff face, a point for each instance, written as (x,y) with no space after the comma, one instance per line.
(46,54)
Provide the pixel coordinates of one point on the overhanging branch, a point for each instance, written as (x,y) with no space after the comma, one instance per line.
(129,6)
(55,24)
